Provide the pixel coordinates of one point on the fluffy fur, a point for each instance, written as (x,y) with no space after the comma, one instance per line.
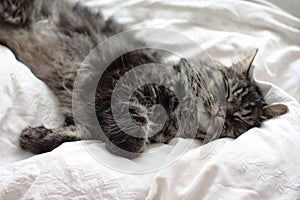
(53,37)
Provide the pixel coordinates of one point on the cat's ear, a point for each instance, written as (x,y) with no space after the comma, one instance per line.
(216,62)
(244,65)
(271,111)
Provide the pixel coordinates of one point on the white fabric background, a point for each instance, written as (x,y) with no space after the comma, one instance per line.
(261,164)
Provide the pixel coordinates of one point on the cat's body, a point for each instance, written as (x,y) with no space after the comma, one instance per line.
(54,37)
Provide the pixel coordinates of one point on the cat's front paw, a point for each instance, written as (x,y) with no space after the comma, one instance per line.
(129,148)
(31,138)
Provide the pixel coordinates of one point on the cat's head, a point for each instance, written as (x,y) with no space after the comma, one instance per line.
(245,106)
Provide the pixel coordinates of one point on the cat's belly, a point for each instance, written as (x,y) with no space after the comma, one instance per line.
(42,50)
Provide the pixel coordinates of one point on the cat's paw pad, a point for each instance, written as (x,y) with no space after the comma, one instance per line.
(69,119)
(30,138)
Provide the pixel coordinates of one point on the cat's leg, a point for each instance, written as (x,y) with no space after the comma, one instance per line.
(40,139)
(124,139)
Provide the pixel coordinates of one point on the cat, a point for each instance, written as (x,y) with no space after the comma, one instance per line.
(54,37)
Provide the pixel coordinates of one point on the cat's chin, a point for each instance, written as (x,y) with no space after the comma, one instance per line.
(216,129)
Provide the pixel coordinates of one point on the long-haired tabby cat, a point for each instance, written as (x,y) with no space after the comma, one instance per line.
(53,37)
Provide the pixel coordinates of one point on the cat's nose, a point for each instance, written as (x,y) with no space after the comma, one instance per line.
(222,112)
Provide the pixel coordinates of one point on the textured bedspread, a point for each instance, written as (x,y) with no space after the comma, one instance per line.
(261,164)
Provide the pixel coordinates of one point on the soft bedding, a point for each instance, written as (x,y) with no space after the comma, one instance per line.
(263,163)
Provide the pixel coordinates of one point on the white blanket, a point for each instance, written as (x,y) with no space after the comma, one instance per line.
(261,164)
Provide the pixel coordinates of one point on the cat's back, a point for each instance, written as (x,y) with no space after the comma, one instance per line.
(53,38)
